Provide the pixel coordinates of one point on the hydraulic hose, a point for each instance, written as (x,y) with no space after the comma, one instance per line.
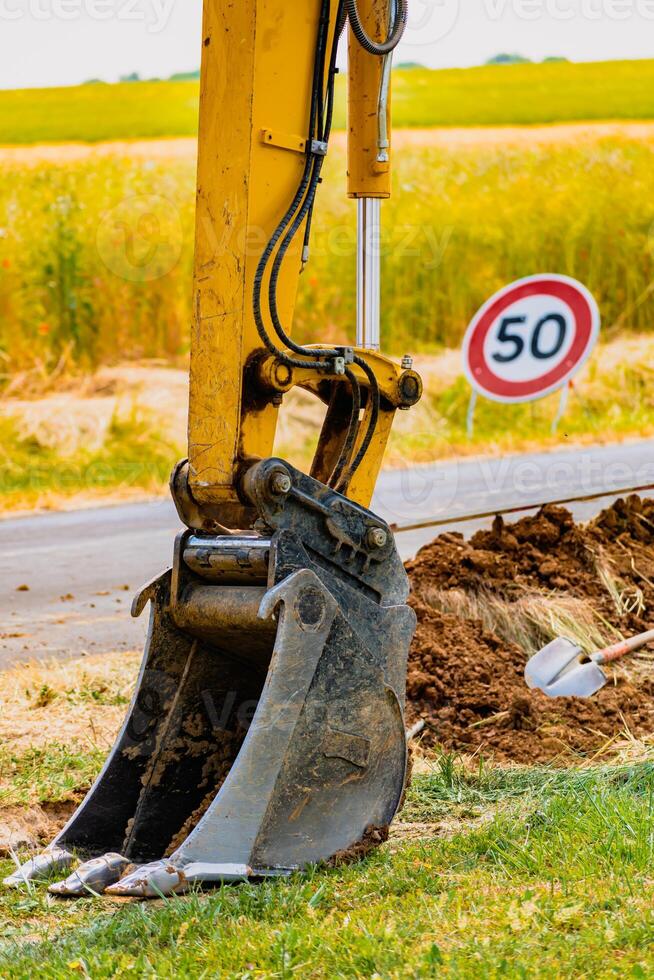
(352,432)
(372,426)
(396,33)
(308,184)
(299,212)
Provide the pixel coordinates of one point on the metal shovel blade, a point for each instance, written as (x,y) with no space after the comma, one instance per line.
(558,671)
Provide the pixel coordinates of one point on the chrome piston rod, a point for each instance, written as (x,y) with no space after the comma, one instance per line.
(369,273)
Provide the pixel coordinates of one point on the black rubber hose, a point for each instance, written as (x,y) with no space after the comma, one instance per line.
(306,182)
(305,214)
(319,66)
(341,21)
(376,47)
(261,270)
(352,432)
(307,192)
(374,419)
(279,261)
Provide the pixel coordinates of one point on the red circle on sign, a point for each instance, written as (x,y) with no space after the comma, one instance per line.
(586,326)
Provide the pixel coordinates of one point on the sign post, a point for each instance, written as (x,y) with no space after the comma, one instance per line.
(529,340)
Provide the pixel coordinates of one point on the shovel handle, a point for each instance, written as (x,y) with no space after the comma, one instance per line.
(622,649)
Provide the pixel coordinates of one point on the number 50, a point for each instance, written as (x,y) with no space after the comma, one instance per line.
(506,335)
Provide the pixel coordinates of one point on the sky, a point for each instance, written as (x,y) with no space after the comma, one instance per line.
(63,42)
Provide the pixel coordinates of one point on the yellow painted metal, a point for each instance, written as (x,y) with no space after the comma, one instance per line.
(364,481)
(276,376)
(366,176)
(284,141)
(394,383)
(257,70)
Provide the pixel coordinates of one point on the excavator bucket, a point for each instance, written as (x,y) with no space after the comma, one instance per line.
(267,728)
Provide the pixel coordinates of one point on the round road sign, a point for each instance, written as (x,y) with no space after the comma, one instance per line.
(530,338)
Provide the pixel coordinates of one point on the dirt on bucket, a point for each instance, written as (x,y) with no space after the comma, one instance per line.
(485,605)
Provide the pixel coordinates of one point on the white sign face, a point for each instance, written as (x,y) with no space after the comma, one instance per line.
(530,338)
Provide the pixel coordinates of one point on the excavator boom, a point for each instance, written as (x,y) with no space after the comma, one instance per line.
(267,728)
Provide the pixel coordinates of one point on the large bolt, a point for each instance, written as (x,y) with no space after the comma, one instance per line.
(377,537)
(283,374)
(410,390)
(280,483)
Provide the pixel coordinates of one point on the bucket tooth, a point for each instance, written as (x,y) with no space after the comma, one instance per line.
(91,878)
(151,881)
(41,867)
(164,878)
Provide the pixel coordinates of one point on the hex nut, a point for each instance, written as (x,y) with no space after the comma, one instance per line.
(280,483)
(377,537)
(283,374)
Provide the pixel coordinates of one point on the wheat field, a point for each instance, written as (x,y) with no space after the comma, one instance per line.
(96,249)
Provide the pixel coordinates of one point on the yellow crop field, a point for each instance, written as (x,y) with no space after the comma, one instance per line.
(96,252)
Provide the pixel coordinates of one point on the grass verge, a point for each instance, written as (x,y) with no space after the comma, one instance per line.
(490,872)
(437,428)
(51,774)
(132,456)
(556,883)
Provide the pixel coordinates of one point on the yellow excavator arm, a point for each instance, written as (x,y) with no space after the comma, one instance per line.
(266,101)
(267,728)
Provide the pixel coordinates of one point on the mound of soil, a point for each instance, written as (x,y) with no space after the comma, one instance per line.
(468,684)
(34,826)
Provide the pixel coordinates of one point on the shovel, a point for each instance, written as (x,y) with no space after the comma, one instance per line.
(563,670)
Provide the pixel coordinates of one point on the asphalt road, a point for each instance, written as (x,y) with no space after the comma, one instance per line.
(67,580)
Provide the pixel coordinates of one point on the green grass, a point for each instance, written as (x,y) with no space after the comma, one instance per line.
(469,790)
(133,455)
(45,775)
(556,884)
(136,453)
(92,113)
(593,413)
(437,428)
(498,95)
(492,95)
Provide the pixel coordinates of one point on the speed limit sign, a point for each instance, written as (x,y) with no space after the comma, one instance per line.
(530,338)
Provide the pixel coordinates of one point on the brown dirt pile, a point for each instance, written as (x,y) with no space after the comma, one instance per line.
(467,683)
(34,826)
